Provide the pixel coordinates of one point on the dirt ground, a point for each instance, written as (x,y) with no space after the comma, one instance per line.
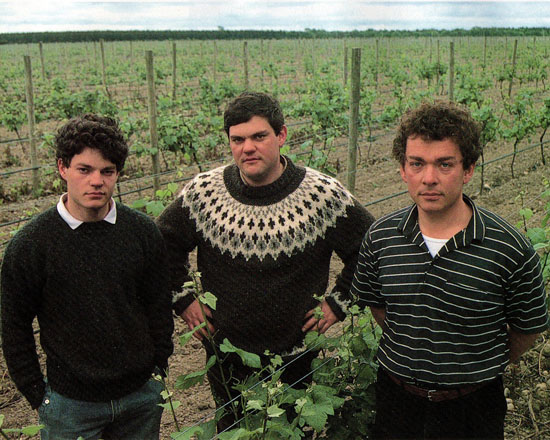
(527,384)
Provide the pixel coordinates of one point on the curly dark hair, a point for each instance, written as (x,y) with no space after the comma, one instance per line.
(91,131)
(438,121)
(249,104)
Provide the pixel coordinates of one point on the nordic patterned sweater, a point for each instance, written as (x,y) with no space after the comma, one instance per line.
(264,252)
(102,302)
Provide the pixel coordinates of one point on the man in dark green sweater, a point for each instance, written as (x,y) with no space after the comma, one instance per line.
(94,274)
(265,230)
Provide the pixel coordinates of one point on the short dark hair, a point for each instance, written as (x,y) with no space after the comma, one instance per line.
(249,104)
(91,131)
(438,121)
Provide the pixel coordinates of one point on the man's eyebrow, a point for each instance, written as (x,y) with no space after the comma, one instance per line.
(85,165)
(82,164)
(236,136)
(439,159)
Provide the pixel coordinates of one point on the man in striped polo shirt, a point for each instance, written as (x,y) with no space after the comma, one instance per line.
(457,290)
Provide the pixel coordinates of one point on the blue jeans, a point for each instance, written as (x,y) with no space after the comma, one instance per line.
(134,416)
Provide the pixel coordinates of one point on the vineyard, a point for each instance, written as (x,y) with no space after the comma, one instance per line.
(169,97)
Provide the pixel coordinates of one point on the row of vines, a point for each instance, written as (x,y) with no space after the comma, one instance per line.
(504,81)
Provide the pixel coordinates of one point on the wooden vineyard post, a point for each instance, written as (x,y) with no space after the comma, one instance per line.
(438,65)
(30,118)
(153,119)
(173,70)
(345,64)
(95,55)
(452,72)
(103,75)
(513,67)
(41,49)
(215,63)
(377,63)
(354,116)
(262,67)
(484,52)
(245,62)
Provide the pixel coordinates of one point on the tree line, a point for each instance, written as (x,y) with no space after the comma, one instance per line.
(222,34)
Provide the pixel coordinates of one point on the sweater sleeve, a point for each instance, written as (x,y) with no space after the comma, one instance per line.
(180,238)
(156,295)
(21,286)
(346,239)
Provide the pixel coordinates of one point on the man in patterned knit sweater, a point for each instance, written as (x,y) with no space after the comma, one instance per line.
(94,273)
(265,230)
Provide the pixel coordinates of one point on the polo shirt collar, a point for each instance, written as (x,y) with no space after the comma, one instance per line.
(475,231)
(75,223)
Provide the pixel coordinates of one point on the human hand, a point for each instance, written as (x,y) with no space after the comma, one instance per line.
(193,316)
(321,324)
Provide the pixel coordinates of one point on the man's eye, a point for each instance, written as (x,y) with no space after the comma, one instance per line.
(415,164)
(445,165)
(83,170)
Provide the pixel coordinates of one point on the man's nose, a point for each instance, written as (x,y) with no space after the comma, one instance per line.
(429,176)
(96,178)
(249,145)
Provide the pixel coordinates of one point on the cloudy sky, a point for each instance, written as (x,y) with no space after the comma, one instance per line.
(44,15)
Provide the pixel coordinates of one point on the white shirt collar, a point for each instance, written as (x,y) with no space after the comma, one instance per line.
(75,223)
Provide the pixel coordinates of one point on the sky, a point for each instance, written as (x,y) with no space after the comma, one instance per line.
(296,15)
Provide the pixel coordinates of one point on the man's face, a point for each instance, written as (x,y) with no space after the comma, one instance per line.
(434,175)
(90,181)
(255,148)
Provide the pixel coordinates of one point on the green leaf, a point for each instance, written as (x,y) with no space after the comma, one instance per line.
(249,359)
(234,434)
(184,339)
(31,430)
(155,207)
(186,381)
(209,299)
(210,363)
(526,213)
(138,204)
(315,416)
(536,235)
(254,405)
(208,430)
(275,411)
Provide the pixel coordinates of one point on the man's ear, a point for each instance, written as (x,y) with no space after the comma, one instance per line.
(468,173)
(282,135)
(402,172)
(62,169)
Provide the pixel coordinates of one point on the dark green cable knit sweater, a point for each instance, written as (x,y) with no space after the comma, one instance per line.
(264,252)
(102,302)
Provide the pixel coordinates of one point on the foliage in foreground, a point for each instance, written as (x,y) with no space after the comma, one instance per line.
(339,402)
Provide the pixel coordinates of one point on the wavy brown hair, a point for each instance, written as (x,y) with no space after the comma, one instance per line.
(91,131)
(438,121)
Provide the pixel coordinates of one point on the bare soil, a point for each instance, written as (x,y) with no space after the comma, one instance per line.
(527,384)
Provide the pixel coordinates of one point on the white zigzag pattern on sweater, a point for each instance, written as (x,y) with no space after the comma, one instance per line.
(285,227)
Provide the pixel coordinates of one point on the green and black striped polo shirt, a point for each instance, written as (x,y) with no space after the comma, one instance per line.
(446,315)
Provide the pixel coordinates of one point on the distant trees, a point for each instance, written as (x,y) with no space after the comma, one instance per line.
(223,34)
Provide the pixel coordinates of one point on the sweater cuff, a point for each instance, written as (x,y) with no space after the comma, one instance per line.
(338,306)
(34,394)
(182,300)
